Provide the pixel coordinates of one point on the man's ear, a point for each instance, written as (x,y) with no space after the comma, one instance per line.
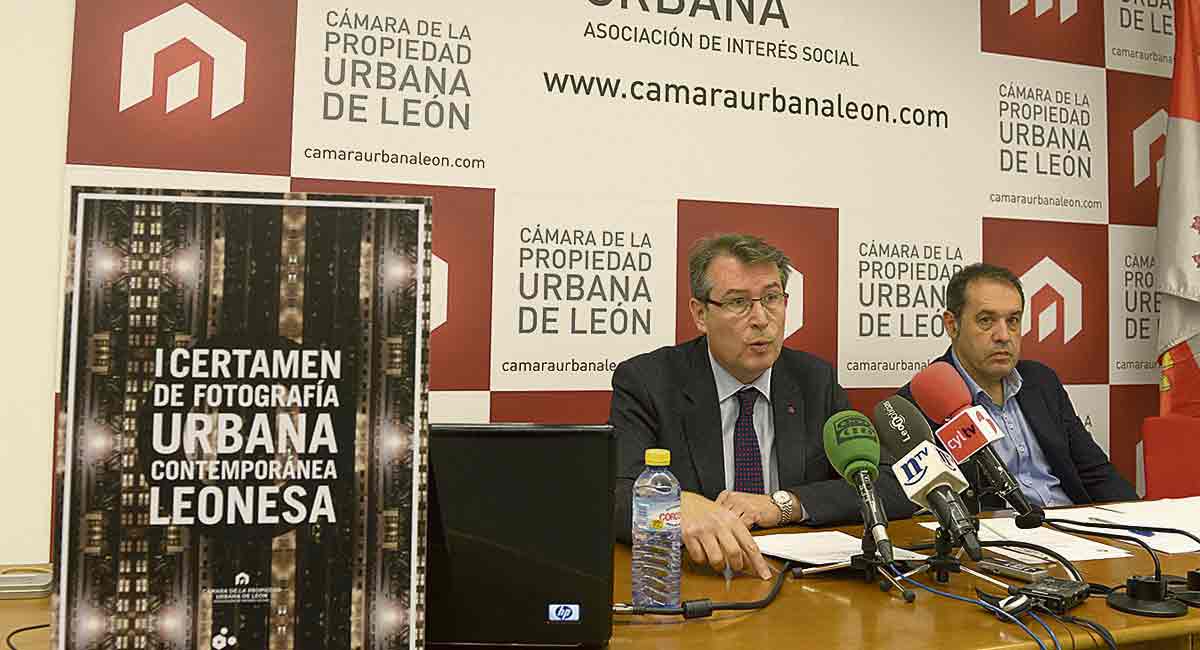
(698,310)
(950,323)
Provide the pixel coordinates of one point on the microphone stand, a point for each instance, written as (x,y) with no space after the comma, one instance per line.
(872,567)
(942,563)
(869,563)
(1186,589)
(944,560)
(1143,595)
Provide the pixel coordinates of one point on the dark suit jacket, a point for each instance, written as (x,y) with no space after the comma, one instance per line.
(668,399)
(1075,459)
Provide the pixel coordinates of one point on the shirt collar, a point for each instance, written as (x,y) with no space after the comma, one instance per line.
(728,385)
(1012,382)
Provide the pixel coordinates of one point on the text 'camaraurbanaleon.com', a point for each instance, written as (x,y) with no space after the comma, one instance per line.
(763,101)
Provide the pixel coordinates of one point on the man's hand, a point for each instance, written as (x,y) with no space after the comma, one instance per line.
(752,509)
(715,536)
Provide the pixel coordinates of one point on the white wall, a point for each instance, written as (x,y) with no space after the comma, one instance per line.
(35,43)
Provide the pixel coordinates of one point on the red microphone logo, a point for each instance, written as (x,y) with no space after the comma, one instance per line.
(967,432)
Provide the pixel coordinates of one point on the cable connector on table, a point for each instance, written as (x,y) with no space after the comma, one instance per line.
(703,607)
(622,608)
(698,608)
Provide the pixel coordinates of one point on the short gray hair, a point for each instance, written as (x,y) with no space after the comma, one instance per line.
(747,249)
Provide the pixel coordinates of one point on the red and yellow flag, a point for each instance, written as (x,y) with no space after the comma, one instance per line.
(1178,246)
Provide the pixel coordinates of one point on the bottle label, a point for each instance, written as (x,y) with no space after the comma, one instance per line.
(662,517)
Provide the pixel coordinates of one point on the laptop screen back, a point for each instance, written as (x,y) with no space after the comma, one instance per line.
(520,535)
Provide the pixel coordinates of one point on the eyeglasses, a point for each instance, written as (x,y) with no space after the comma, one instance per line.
(741,305)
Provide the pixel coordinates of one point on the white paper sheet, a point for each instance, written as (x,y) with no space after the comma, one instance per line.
(819,547)
(1075,549)
(1164,513)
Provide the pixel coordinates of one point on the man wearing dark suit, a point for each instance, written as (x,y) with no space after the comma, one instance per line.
(1046,447)
(741,416)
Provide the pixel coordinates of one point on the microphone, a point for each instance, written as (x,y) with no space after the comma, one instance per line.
(853,449)
(968,431)
(928,475)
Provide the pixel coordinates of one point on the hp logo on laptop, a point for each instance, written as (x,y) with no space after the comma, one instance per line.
(563,613)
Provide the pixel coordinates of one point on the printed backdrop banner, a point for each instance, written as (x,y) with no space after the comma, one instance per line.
(570,152)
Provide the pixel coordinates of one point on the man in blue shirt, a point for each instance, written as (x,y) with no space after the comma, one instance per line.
(1046,447)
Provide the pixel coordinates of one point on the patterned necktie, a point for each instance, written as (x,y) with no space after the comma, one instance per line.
(747,459)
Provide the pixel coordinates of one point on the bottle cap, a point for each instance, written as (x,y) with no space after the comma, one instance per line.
(658,457)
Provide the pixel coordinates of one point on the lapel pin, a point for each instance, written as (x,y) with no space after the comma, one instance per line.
(791,409)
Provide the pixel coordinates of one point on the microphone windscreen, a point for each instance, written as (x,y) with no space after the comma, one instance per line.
(851,444)
(900,426)
(940,391)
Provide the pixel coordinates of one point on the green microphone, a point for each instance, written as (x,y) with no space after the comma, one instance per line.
(853,449)
(852,444)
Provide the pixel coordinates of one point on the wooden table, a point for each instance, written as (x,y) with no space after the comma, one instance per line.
(835,611)
(22,613)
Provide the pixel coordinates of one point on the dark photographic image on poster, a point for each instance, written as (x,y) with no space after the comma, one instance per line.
(244,378)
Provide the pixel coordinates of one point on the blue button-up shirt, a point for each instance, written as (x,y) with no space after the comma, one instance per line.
(1019,448)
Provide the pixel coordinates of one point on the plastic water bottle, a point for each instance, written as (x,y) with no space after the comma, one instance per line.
(656,533)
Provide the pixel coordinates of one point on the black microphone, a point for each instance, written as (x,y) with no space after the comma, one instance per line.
(853,449)
(967,431)
(928,475)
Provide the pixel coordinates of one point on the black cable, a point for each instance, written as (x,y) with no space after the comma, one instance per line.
(9,638)
(1097,589)
(1066,564)
(705,607)
(1134,529)
(1109,640)
(1070,632)
(1091,632)
(1056,524)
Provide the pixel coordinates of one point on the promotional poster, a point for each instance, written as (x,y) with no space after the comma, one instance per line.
(246,405)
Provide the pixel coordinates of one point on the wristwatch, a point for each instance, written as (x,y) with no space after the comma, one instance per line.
(786,502)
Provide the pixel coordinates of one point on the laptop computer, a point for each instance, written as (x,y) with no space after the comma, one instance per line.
(520,534)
